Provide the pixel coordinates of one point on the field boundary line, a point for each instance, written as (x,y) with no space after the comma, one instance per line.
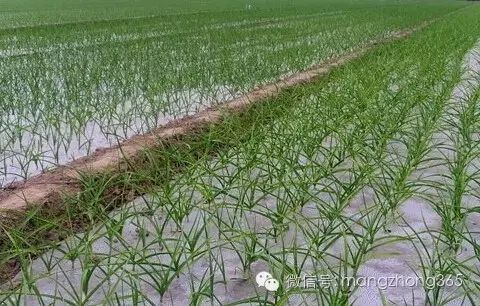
(49,187)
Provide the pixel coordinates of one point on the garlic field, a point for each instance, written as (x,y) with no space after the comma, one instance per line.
(358,188)
(68,89)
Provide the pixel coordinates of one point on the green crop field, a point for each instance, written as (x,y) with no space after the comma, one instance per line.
(361,187)
(69,87)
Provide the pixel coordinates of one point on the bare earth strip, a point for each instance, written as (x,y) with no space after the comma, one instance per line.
(64,180)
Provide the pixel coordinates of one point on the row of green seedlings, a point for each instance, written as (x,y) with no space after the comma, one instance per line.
(456,200)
